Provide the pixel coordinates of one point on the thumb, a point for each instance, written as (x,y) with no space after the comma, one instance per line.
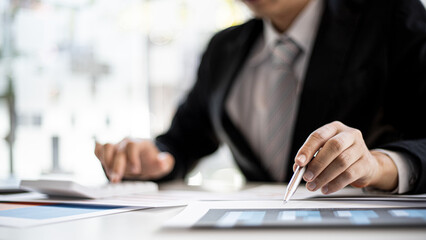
(166,162)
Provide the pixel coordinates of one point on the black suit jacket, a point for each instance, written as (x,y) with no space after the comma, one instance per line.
(367,70)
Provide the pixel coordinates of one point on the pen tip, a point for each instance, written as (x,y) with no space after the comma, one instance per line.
(285,202)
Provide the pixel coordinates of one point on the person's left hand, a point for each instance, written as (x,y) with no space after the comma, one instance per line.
(343,159)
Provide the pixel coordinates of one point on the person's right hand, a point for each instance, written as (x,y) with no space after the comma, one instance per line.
(134,159)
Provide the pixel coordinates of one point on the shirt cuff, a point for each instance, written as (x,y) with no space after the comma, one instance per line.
(405,168)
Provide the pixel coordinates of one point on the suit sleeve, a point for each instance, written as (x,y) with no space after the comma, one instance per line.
(191,135)
(407,98)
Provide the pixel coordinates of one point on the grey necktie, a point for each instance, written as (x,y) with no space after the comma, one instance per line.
(281,104)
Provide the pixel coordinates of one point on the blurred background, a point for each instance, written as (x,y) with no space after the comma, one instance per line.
(72,71)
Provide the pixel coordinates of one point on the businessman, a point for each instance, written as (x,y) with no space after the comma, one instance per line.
(344,78)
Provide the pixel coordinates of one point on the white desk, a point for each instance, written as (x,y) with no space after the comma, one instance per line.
(146,224)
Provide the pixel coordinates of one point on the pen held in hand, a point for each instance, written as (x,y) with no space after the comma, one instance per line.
(295,181)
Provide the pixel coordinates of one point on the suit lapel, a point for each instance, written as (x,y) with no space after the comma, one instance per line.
(326,67)
(237,50)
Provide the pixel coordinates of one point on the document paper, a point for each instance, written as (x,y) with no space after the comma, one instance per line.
(32,214)
(240,214)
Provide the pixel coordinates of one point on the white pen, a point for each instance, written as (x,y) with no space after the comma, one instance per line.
(295,181)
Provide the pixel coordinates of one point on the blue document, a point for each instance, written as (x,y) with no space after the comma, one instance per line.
(291,218)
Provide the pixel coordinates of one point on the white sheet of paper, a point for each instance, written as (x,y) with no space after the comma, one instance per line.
(170,198)
(267,192)
(160,199)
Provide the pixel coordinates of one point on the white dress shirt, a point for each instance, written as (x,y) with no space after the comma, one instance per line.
(246,102)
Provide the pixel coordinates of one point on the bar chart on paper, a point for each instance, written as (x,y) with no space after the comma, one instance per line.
(241,218)
(32,214)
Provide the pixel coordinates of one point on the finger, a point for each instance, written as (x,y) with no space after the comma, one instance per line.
(166,163)
(295,165)
(99,151)
(349,176)
(132,150)
(108,152)
(315,141)
(336,167)
(148,157)
(332,148)
(119,165)
(162,165)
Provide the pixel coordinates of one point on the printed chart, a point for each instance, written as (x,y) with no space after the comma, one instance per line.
(241,218)
(31,214)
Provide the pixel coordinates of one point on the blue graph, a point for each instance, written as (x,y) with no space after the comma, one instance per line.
(409,213)
(357,216)
(227,218)
(52,211)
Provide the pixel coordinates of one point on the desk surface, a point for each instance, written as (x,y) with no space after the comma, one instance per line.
(146,224)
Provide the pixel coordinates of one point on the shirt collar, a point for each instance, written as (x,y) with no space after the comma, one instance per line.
(301,32)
